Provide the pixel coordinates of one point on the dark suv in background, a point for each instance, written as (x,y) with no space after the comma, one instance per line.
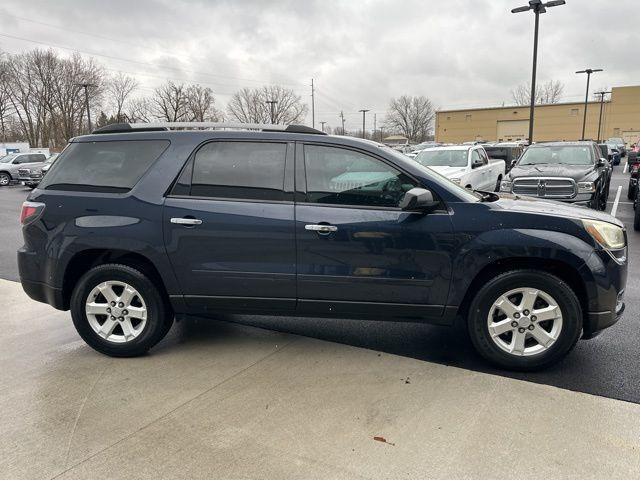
(136,224)
(572,172)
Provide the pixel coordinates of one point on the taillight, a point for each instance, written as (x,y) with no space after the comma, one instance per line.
(30,211)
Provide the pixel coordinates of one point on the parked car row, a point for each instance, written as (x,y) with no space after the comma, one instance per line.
(136,225)
(26,168)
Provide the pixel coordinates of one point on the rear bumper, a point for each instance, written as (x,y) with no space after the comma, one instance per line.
(41,292)
(29,269)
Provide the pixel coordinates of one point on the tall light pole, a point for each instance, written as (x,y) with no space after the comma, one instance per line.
(538,7)
(272,104)
(364,112)
(342,119)
(602,94)
(588,71)
(313,105)
(86,101)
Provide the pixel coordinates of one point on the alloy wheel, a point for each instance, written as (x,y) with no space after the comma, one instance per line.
(116,311)
(525,321)
(4,179)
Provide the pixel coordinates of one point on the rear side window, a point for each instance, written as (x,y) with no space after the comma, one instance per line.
(239,170)
(103,166)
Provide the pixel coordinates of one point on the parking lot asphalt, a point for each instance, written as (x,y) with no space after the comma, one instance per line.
(608,365)
(217,400)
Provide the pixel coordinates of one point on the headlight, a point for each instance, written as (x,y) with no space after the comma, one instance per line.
(606,234)
(505,186)
(455,180)
(586,187)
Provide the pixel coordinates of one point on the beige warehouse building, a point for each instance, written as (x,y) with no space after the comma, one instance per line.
(559,121)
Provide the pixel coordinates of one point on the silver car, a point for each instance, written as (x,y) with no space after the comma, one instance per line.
(12,163)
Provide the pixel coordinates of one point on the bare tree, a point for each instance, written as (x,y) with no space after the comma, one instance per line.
(412,116)
(6,109)
(139,110)
(119,89)
(201,104)
(68,106)
(170,103)
(30,81)
(250,105)
(548,92)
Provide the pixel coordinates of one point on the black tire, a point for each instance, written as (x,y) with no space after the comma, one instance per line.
(5,179)
(159,314)
(636,214)
(498,184)
(481,305)
(631,192)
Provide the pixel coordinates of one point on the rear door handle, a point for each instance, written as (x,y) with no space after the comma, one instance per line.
(186,221)
(323,229)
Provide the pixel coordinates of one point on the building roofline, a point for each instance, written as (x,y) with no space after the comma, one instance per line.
(511,107)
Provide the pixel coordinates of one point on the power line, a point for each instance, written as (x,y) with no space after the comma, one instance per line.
(122,59)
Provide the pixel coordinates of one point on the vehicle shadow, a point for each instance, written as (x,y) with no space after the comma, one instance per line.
(588,368)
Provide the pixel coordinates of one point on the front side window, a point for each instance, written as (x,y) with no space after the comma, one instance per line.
(240,170)
(109,166)
(339,176)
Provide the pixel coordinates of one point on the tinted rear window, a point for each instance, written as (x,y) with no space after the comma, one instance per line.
(103,166)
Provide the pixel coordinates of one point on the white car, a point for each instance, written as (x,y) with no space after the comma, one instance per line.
(467,165)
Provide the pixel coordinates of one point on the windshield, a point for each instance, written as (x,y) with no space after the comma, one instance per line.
(563,155)
(7,158)
(615,141)
(442,158)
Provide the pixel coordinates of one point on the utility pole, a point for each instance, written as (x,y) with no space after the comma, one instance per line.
(272,104)
(364,112)
(588,71)
(342,118)
(313,105)
(602,94)
(538,7)
(86,101)
(375,124)
(322,123)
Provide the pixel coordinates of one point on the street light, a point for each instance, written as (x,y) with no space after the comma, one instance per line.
(588,71)
(538,7)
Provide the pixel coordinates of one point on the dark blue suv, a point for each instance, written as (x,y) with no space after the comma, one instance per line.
(137,224)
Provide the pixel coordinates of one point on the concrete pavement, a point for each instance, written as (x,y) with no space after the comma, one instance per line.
(217,400)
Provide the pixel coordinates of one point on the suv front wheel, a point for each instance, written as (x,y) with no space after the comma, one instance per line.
(118,311)
(525,320)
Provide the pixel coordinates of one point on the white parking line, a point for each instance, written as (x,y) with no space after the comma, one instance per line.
(614,209)
(626,165)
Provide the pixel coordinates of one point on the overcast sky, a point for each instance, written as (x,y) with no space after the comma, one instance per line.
(459,53)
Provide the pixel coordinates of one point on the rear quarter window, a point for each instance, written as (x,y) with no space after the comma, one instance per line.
(111,166)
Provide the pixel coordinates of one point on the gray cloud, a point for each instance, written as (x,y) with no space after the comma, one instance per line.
(457,52)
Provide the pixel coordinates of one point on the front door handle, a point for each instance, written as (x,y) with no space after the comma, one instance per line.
(186,221)
(322,229)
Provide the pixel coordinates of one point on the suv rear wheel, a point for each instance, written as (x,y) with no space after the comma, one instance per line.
(118,311)
(525,320)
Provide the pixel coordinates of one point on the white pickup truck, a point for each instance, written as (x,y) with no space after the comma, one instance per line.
(466,165)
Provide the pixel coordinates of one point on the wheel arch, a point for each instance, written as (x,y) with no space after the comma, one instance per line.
(563,270)
(85,260)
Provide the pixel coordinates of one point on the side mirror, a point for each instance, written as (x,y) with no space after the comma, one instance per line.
(601,162)
(513,163)
(418,199)
(476,163)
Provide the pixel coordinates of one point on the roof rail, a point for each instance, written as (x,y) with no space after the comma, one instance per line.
(164,126)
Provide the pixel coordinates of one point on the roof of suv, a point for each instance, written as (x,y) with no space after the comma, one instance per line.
(165,126)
